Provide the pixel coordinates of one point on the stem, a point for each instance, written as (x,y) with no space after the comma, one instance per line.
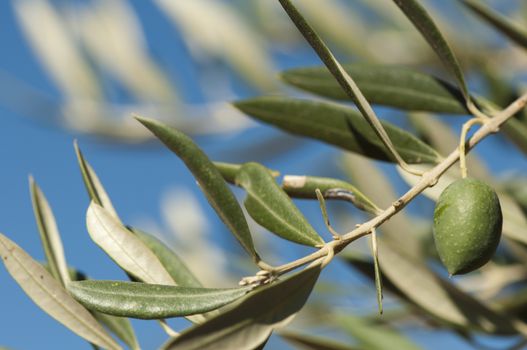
(427,180)
(462,152)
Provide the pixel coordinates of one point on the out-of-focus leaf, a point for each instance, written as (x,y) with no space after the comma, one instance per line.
(92,183)
(499,22)
(120,326)
(212,28)
(516,131)
(177,269)
(517,188)
(50,296)
(128,251)
(305,186)
(374,337)
(150,301)
(49,234)
(252,319)
(391,86)
(272,208)
(514,220)
(426,26)
(309,342)
(337,125)
(210,180)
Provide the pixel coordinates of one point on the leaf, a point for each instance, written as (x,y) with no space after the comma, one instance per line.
(391,86)
(416,13)
(305,186)
(171,262)
(514,220)
(50,296)
(119,326)
(253,318)
(49,234)
(209,178)
(229,170)
(516,131)
(337,125)
(504,25)
(93,185)
(345,81)
(128,251)
(310,342)
(270,206)
(375,337)
(150,301)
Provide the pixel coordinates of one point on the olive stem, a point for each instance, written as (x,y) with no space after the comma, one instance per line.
(428,179)
(462,153)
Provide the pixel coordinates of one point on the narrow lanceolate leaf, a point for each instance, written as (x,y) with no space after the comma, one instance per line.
(270,206)
(177,269)
(209,178)
(252,319)
(128,251)
(93,185)
(337,125)
(499,22)
(309,342)
(50,296)
(49,234)
(229,170)
(374,337)
(121,327)
(391,86)
(428,29)
(150,301)
(345,81)
(305,186)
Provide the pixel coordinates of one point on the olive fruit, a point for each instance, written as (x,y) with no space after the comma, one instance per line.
(467,225)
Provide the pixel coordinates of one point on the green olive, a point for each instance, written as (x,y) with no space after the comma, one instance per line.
(467,225)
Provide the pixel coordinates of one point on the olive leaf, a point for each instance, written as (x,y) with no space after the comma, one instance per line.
(150,301)
(504,25)
(176,268)
(270,206)
(374,337)
(248,323)
(49,234)
(120,326)
(92,183)
(128,251)
(305,187)
(345,81)
(50,296)
(392,86)
(337,125)
(229,170)
(209,178)
(309,342)
(420,18)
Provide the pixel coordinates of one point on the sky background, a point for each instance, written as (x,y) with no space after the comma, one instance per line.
(138,178)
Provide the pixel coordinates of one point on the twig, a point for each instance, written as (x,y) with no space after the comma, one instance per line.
(427,180)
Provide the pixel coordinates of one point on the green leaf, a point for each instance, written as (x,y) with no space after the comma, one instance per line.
(128,251)
(375,337)
(337,125)
(416,13)
(305,186)
(209,178)
(272,208)
(93,185)
(310,342)
(516,131)
(150,301)
(177,269)
(49,234)
(392,86)
(511,30)
(50,296)
(229,170)
(121,327)
(252,319)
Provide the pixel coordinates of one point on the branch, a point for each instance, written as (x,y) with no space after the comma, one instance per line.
(429,179)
